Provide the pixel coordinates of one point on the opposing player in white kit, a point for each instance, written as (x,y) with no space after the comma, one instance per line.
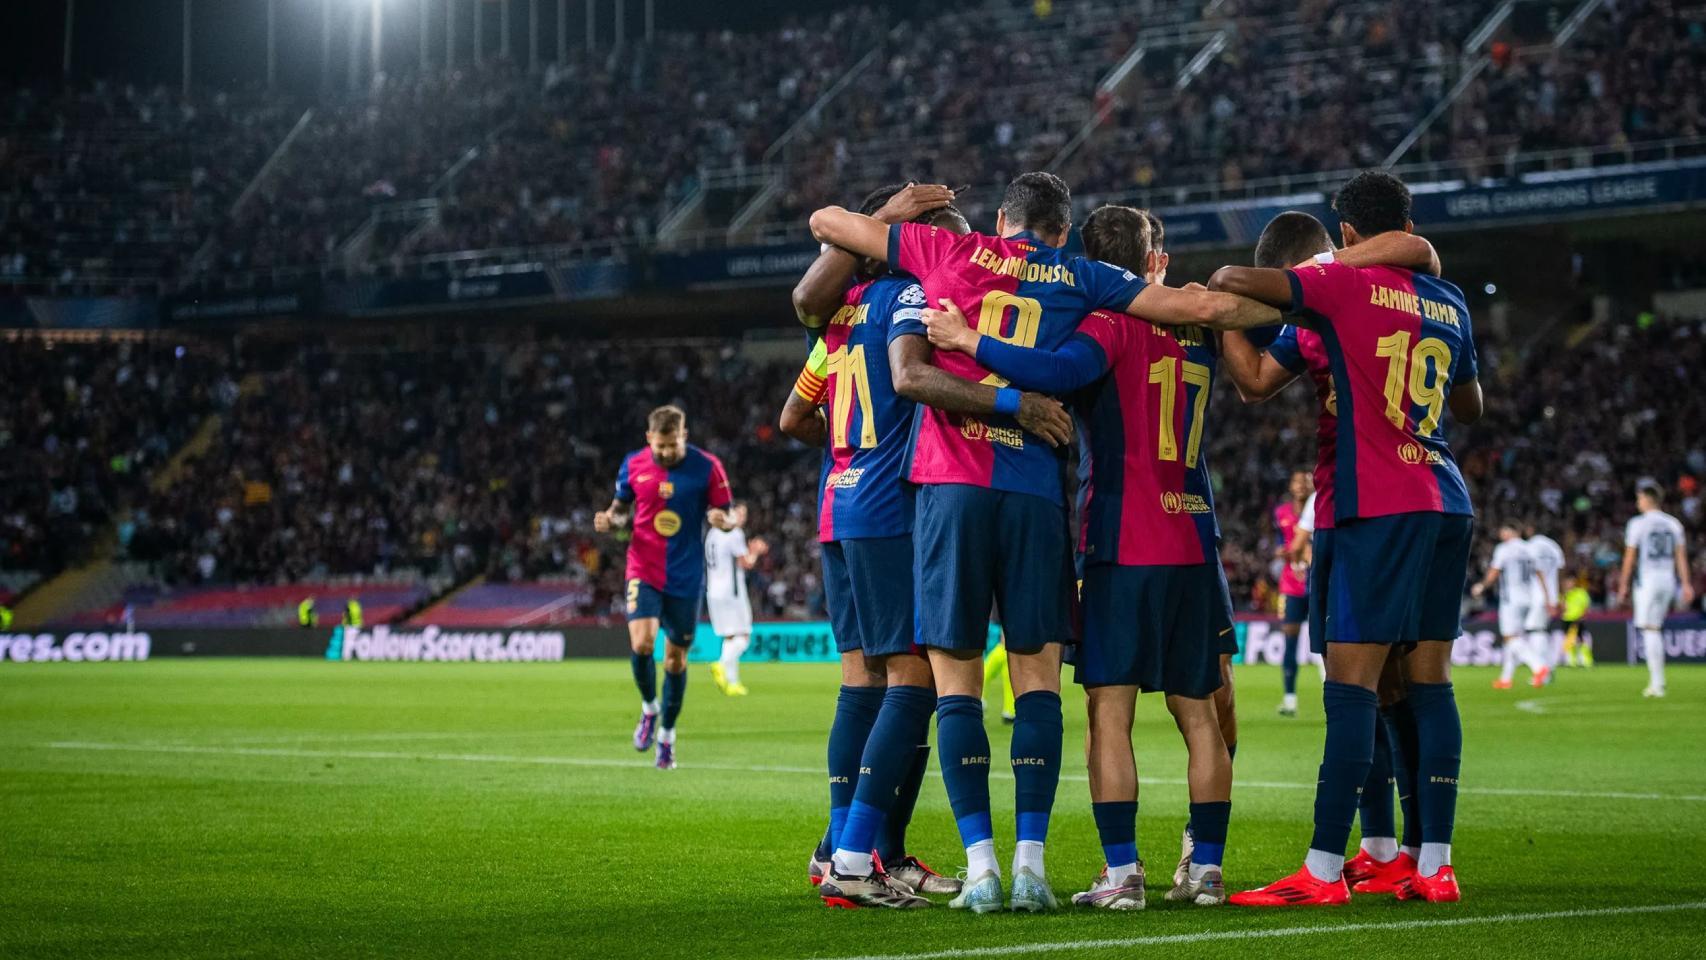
(728,556)
(1522,605)
(1654,551)
(1549,560)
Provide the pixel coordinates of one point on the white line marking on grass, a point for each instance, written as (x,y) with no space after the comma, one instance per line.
(358,737)
(1531,706)
(1019,949)
(641,762)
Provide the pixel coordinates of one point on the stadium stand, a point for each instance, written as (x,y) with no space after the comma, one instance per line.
(151,607)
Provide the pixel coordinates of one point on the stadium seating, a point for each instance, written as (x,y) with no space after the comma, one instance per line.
(254,606)
(512,605)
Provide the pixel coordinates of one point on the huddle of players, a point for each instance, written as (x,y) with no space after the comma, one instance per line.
(942,495)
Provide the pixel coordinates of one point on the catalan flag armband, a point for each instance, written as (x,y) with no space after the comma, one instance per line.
(814,379)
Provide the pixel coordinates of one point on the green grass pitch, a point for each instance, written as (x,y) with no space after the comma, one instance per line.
(277,808)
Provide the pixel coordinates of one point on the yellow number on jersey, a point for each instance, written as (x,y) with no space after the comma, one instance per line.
(1167,374)
(1410,369)
(994,311)
(851,379)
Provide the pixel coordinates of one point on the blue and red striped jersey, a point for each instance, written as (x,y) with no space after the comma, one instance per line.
(667,551)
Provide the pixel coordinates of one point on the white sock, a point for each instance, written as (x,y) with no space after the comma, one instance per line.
(1325,866)
(1414,853)
(1289,701)
(1654,643)
(732,650)
(1198,870)
(1434,856)
(649,707)
(1119,873)
(1028,853)
(980,859)
(851,864)
(1508,669)
(1534,652)
(666,735)
(1383,849)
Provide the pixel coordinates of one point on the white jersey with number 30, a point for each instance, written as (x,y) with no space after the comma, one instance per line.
(1655,535)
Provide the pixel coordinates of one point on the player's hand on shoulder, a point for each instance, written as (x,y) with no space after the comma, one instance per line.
(1046,418)
(914,200)
(947,328)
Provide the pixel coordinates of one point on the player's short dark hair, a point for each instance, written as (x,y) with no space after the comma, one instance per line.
(1374,201)
(1291,238)
(948,218)
(666,419)
(1040,202)
(1157,231)
(1652,492)
(1118,235)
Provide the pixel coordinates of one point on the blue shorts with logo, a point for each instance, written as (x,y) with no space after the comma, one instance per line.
(1393,579)
(678,617)
(867,586)
(974,547)
(1161,629)
(1223,627)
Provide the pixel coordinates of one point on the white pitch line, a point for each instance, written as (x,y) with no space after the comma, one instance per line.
(358,737)
(754,768)
(1531,706)
(1384,926)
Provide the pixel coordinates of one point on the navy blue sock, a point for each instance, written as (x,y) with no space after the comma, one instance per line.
(674,691)
(891,839)
(888,755)
(1401,736)
(1116,825)
(964,748)
(1439,735)
(1345,760)
(1375,804)
(1208,821)
(856,710)
(645,675)
(1288,664)
(1036,762)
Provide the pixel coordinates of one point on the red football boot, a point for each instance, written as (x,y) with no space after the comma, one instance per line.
(1360,868)
(1386,877)
(1439,888)
(1301,889)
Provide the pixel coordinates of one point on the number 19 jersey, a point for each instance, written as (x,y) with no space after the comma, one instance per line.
(1019,290)
(1396,343)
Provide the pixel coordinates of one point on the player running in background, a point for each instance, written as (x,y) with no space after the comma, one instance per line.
(1293,551)
(1522,599)
(991,522)
(1383,859)
(1389,573)
(1154,610)
(669,489)
(1655,553)
(879,742)
(1578,643)
(728,556)
(1549,560)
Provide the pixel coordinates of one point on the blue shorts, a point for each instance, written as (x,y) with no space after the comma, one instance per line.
(1393,579)
(1296,609)
(867,585)
(974,547)
(677,616)
(1161,629)
(1223,626)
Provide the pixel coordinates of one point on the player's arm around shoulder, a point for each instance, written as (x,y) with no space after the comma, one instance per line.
(802,414)
(1197,306)
(1394,248)
(1256,375)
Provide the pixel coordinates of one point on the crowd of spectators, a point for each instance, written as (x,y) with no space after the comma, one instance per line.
(83,429)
